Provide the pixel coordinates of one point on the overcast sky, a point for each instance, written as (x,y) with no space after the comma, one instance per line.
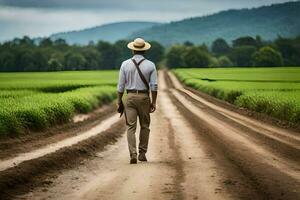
(43,17)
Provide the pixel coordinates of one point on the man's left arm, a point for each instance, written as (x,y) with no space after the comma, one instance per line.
(153,87)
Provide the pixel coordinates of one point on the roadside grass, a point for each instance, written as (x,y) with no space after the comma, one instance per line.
(282,105)
(273,91)
(32,104)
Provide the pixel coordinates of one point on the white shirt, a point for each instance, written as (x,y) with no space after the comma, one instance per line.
(129,78)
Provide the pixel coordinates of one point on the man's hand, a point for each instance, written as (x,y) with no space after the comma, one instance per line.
(152,107)
(121,108)
(120,104)
(153,104)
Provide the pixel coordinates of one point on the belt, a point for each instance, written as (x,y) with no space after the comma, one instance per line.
(138,91)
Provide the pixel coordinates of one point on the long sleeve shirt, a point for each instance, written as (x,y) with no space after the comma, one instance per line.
(129,78)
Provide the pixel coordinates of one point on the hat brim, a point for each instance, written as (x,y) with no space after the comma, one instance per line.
(144,48)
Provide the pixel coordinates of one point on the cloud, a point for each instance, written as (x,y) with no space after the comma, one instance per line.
(182,5)
(43,17)
(17,22)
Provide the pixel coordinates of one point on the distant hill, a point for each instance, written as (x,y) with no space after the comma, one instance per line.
(108,32)
(267,21)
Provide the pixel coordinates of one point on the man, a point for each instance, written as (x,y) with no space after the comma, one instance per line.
(137,75)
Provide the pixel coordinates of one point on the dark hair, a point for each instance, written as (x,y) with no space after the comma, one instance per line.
(139,52)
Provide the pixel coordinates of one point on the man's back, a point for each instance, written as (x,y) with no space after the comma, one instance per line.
(130,79)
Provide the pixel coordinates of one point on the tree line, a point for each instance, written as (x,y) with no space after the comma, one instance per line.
(243,52)
(25,54)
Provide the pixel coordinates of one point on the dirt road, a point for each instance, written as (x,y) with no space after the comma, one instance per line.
(199,148)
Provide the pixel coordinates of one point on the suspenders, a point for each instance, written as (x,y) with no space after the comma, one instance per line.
(137,65)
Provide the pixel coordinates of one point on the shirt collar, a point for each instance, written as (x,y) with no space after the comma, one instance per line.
(138,57)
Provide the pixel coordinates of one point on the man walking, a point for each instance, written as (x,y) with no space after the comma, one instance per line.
(138,76)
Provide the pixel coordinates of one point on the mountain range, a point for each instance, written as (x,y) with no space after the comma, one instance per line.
(267,21)
(107,32)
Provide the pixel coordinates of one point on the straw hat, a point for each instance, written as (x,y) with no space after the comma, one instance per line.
(139,45)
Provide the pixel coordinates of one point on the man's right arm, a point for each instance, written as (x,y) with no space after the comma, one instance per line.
(153,103)
(121,84)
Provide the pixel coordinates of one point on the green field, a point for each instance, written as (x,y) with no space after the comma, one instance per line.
(274,91)
(34,101)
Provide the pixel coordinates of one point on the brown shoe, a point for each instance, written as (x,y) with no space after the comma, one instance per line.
(133,160)
(142,157)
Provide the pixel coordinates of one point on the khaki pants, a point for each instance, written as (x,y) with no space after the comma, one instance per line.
(137,105)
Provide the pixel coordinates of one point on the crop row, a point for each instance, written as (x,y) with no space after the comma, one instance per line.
(57,81)
(37,100)
(36,110)
(273,91)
